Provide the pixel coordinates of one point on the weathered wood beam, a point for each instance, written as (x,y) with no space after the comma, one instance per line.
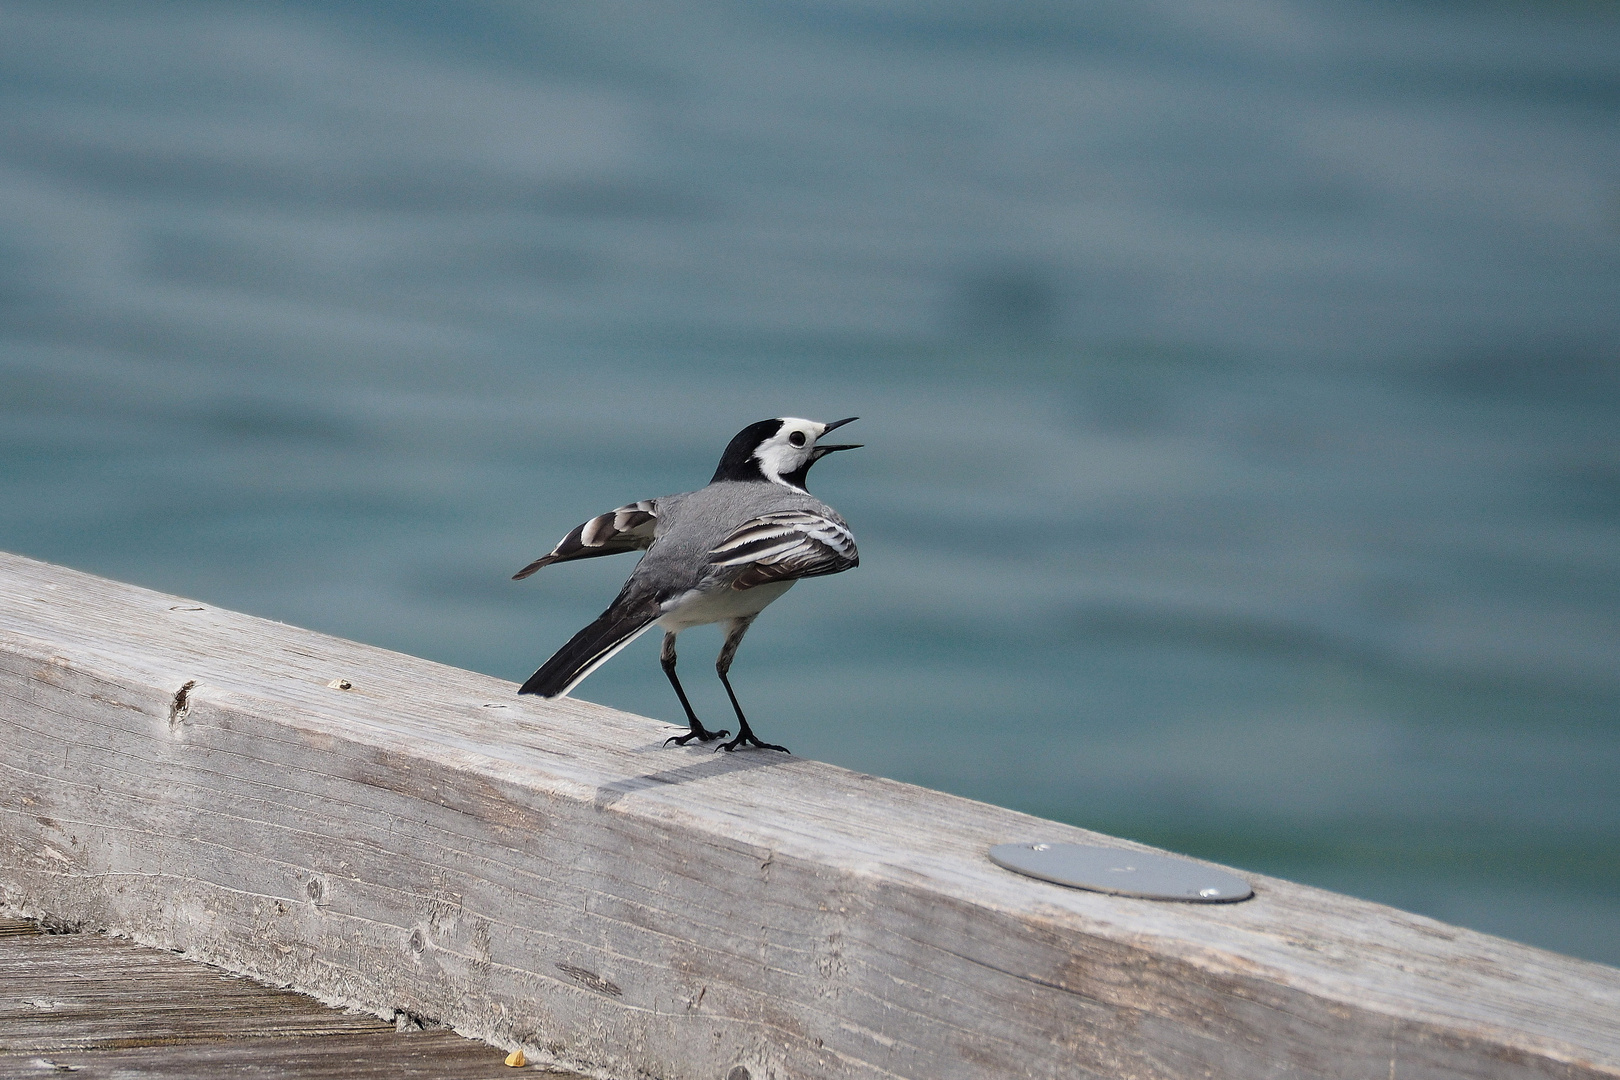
(546,873)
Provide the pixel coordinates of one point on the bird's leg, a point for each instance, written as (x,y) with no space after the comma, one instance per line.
(745,734)
(702,734)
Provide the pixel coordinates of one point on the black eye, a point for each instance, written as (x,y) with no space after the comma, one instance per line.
(797,438)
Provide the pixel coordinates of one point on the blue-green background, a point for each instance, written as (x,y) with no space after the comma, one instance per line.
(1240,380)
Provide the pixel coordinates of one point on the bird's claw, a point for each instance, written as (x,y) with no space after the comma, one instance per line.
(701,735)
(750,741)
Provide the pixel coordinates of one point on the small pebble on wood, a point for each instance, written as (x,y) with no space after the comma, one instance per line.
(516,1059)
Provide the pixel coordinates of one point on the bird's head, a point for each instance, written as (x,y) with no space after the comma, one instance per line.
(778,451)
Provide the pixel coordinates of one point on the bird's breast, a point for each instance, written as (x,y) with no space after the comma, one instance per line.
(697,608)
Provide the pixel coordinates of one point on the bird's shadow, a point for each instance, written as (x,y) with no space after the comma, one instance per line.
(715,765)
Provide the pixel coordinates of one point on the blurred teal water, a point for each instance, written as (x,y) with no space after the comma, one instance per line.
(1240,381)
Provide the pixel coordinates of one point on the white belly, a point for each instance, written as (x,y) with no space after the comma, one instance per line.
(699,609)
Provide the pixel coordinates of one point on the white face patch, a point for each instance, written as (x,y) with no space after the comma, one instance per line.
(779,457)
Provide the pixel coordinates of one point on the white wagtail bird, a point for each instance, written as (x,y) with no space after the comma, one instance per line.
(716,555)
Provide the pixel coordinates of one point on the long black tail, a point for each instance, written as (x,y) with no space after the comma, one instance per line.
(587,650)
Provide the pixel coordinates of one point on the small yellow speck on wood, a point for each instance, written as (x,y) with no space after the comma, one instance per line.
(516,1059)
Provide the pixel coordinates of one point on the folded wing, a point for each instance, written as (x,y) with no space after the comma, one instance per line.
(786,546)
(629,528)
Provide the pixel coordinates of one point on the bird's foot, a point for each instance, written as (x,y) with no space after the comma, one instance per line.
(747,739)
(700,733)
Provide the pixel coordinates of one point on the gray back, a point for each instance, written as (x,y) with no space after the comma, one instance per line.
(692,524)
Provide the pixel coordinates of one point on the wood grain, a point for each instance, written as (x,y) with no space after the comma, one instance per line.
(91,992)
(547,873)
(96,1006)
(421,1055)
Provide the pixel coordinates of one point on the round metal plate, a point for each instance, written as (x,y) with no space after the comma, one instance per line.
(1124,873)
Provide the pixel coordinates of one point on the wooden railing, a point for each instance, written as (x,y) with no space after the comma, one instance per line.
(409,838)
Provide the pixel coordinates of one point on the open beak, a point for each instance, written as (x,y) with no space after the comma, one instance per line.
(823,451)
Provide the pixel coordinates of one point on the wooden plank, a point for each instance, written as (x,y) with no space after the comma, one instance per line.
(417,1055)
(421,1055)
(91,992)
(98,1006)
(547,873)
